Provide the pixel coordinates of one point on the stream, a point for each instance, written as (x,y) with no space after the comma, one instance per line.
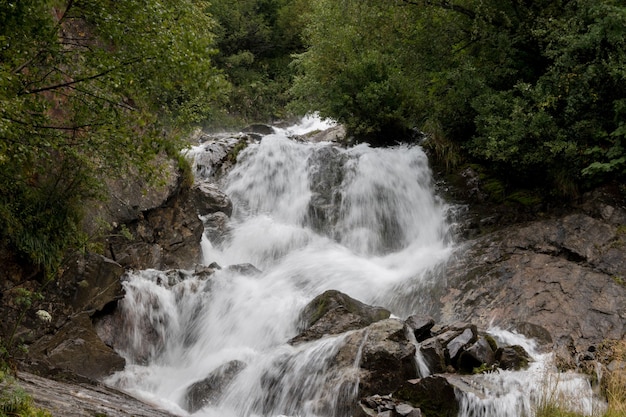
(310,217)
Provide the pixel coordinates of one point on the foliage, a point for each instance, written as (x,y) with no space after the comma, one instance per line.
(255,40)
(535,90)
(87,89)
(14,402)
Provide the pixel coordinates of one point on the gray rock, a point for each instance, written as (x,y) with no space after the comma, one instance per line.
(76,347)
(460,342)
(208,391)
(208,199)
(333,313)
(512,357)
(420,324)
(561,275)
(433,395)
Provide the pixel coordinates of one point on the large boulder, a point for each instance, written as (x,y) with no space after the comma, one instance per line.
(334,312)
(162,238)
(208,199)
(77,348)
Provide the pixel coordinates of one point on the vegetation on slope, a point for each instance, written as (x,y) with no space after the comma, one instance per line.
(534,90)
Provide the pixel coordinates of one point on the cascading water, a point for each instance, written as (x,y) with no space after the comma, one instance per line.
(311,217)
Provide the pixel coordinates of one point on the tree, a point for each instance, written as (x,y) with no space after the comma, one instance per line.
(87,89)
(255,40)
(535,90)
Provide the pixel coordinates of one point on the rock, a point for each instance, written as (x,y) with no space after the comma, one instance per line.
(259,129)
(82,399)
(559,279)
(216,227)
(512,357)
(436,350)
(244,269)
(76,347)
(208,199)
(456,345)
(420,325)
(208,391)
(433,395)
(163,238)
(130,196)
(326,173)
(480,354)
(387,357)
(97,281)
(333,313)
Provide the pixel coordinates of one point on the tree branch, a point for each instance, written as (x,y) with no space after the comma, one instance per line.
(80,80)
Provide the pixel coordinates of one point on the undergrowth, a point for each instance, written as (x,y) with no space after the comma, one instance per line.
(14,401)
(613,386)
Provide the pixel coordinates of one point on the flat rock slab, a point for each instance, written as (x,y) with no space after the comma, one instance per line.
(83,400)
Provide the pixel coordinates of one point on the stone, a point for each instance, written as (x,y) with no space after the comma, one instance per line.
(208,391)
(98,282)
(420,325)
(479,354)
(404,409)
(433,395)
(558,280)
(512,357)
(76,347)
(81,398)
(207,198)
(456,345)
(334,312)
(216,227)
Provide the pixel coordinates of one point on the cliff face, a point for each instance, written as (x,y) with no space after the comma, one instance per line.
(560,279)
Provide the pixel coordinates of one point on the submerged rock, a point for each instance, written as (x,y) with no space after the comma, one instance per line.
(208,391)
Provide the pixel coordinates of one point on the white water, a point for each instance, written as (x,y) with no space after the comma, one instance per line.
(519,393)
(387,239)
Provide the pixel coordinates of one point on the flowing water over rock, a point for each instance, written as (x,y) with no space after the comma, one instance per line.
(311,217)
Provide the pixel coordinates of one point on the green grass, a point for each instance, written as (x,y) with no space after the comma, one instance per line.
(14,401)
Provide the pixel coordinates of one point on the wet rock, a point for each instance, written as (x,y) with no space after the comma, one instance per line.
(162,238)
(433,395)
(558,279)
(387,357)
(208,391)
(478,355)
(459,343)
(244,269)
(208,199)
(259,129)
(420,325)
(82,399)
(326,173)
(216,227)
(333,313)
(76,347)
(512,357)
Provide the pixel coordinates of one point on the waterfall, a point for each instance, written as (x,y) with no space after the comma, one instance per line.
(311,217)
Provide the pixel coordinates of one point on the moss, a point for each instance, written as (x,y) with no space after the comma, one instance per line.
(234,153)
(492,342)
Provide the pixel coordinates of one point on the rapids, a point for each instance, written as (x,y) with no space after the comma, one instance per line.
(312,217)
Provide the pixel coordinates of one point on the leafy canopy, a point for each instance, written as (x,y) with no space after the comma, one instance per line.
(87,89)
(533,89)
